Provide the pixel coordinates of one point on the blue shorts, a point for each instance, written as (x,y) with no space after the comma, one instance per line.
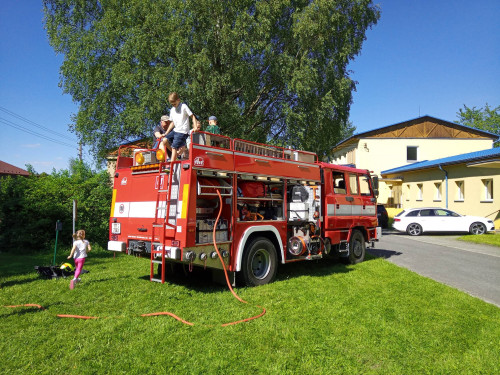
(177,140)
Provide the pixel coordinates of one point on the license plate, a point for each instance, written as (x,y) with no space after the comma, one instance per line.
(115,228)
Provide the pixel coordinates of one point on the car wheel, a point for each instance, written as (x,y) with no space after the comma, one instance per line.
(414,229)
(477,228)
(259,263)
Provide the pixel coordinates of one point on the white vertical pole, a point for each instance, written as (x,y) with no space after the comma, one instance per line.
(74,216)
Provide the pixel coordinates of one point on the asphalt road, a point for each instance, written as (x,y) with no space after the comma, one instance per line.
(472,268)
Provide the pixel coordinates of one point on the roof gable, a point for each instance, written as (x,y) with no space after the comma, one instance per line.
(422,127)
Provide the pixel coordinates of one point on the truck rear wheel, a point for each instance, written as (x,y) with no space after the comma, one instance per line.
(357,248)
(259,263)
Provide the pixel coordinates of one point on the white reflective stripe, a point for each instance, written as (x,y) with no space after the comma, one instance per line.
(369,210)
(142,209)
(146,209)
(357,209)
(349,210)
(330,210)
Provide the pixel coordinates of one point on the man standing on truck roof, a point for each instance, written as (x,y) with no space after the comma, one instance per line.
(160,133)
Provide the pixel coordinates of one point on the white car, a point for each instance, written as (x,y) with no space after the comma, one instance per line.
(416,221)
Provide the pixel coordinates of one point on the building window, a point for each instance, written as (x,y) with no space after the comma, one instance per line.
(411,153)
(437,192)
(460,196)
(488,190)
(420,192)
(407,192)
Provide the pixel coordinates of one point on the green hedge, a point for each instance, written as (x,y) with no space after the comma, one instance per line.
(30,207)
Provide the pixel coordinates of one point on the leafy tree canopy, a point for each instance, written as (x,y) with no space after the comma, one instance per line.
(269,70)
(481,118)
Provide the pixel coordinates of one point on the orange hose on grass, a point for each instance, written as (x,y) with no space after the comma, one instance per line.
(227,281)
(170,314)
(76,316)
(167,312)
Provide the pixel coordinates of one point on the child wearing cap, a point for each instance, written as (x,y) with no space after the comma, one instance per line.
(212,125)
(160,132)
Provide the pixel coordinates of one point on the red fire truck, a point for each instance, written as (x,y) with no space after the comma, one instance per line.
(257,204)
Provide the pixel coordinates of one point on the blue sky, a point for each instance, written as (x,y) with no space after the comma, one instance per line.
(424,57)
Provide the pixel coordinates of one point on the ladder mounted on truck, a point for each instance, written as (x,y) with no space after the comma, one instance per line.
(161,221)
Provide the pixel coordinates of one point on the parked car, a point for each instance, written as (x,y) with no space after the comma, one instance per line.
(382,216)
(416,221)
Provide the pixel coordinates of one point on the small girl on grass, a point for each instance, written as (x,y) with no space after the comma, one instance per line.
(79,253)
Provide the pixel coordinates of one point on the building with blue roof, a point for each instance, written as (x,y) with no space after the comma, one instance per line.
(409,144)
(467,183)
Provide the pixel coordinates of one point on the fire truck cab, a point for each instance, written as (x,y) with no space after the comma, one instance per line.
(239,205)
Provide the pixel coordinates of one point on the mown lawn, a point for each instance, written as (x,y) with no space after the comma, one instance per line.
(322,318)
(487,238)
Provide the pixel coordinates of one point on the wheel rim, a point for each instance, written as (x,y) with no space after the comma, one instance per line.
(261,264)
(357,249)
(477,228)
(414,229)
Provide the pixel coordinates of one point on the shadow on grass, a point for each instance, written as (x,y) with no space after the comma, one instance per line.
(23,264)
(18,282)
(24,310)
(201,280)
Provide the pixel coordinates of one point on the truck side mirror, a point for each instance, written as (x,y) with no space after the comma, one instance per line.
(375,185)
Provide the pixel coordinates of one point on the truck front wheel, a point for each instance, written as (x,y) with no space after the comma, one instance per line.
(357,248)
(259,264)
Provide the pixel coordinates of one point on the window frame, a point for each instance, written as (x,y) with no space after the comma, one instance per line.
(438,196)
(460,192)
(488,190)
(408,160)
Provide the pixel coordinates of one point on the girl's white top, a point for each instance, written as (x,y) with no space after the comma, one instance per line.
(81,249)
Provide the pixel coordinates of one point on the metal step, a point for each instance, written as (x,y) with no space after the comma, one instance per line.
(156,261)
(317,256)
(156,280)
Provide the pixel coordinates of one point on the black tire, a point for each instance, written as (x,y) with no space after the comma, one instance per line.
(357,248)
(414,229)
(259,264)
(477,228)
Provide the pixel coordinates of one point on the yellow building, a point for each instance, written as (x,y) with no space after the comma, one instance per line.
(405,143)
(467,183)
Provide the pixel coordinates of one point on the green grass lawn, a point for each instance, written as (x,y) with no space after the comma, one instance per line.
(488,238)
(322,318)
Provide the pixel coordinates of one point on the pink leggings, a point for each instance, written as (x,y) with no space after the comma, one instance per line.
(79,265)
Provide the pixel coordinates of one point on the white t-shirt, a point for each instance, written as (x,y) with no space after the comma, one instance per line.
(81,249)
(180,117)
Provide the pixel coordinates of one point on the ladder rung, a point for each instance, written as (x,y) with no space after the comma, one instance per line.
(156,261)
(157,225)
(156,280)
(163,191)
